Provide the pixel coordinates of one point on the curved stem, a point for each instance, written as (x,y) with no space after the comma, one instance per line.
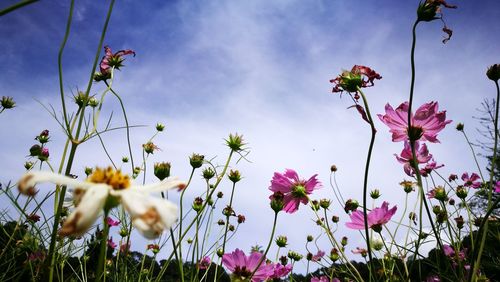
(365,182)
(16,6)
(59,63)
(263,258)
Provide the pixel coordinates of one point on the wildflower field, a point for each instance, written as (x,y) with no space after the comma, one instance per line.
(249,140)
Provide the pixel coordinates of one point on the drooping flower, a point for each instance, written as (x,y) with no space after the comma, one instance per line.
(376,218)
(426,123)
(429,167)
(497,187)
(360,251)
(358,77)
(204,263)
(406,156)
(472,180)
(294,189)
(318,256)
(109,61)
(281,270)
(105,189)
(112,222)
(323,279)
(242,266)
(111,244)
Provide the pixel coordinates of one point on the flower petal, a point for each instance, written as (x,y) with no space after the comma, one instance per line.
(89,208)
(161,186)
(27,183)
(149,215)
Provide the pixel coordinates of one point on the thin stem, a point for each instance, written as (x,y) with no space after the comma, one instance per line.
(59,64)
(268,247)
(365,181)
(101,265)
(484,222)
(16,6)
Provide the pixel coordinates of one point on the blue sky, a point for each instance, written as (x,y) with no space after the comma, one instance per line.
(259,68)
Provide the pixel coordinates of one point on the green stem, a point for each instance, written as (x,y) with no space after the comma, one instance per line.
(365,181)
(101,265)
(59,64)
(263,258)
(16,6)
(227,219)
(484,223)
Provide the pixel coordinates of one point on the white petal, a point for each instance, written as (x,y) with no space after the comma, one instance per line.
(151,216)
(27,183)
(89,208)
(164,185)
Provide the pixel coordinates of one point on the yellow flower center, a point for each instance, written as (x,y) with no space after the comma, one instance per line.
(113,178)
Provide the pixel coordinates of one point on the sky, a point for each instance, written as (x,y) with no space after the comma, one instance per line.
(259,68)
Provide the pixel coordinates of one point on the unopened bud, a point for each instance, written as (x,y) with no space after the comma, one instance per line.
(162,170)
(196,160)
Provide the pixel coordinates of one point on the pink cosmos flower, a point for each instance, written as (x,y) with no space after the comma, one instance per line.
(426,123)
(124,247)
(294,189)
(111,244)
(113,60)
(406,156)
(471,181)
(429,167)
(376,218)
(281,270)
(497,187)
(360,251)
(359,76)
(204,263)
(242,266)
(318,256)
(324,279)
(112,222)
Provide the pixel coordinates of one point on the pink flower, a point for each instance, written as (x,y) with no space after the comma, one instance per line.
(426,123)
(242,266)
(295,190)
(406,156)
(281,270)
(204,263)
(111,244)
(429,167)
(471,181)
(497,187)
(124,247)
(318,256)
(324,279)
(112,222)
(360,251)
(359,76)
(376,218)
(433,278)
(111,60)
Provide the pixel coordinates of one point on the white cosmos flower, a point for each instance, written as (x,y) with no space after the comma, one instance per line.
(105,189)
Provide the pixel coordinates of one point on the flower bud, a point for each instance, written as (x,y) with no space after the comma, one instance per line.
(162,170)
(44,155)
(376,242)
(351,205)
(241,219)
(28,165)
(315,205)
(344,241)
(80,99)
(310,238)
(442,216)
(408,186)
(150,147)
(220,222)
(220,194)
(493,72)
(235,142)
(335,219)
(375,194)
(160,127)
(7,102)
(189,241)
(333,168)
(228,211)
(440,194)
(234,176)
(309,256)
(197,204)
(452,177)
(413,217)
(196,160)
(451,201)
(208,173)
(220,252)
(461,192)
(277,202)
(43,137)
(88,171)
(334,254)
(436,209)
(283,260)
(231,227)
(460,222)
(123,232)
(324,203)
(460,126)
(294,256)
(93,102)
(125,159)
(35,150)
(281,241)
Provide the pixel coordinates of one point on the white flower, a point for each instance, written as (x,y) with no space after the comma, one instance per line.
(105,189)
